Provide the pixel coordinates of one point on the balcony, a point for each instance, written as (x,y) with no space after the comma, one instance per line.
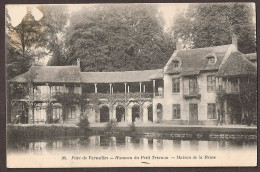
(229,89)
(41,97)
(121,96)
(189,93)
(159,94)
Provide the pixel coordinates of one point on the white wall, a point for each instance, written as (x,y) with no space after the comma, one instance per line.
(177,98)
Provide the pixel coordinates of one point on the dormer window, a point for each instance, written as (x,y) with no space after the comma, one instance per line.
(211,58)
(176,64)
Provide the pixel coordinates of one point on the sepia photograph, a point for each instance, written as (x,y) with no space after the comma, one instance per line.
(131,85)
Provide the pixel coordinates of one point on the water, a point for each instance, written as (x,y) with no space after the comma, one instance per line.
(126,147)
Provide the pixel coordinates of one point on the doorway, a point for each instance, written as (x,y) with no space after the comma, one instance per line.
(193,113)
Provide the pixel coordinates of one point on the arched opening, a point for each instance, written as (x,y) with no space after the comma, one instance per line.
(135,113)
(150,113)
(159,111)
(120,113)
(104,114)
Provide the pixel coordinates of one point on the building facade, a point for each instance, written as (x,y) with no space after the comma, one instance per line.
(186,91)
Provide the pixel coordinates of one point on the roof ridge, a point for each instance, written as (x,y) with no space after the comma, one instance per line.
(122,71)
(207,47)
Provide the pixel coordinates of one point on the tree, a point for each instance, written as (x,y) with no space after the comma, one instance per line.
(22,43)
(55,18)
(67,100)
(117,37)
(205,25)
(28,41)
(248,97)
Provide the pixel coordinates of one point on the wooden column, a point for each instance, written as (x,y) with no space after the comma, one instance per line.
(95,88)
(217,86)
(65,89)
(80,89)
(128,88)
(110,88)
(153,87)
(50,90)
(144,88)
(140,86)
(227,85)
(125,87)
(238,85)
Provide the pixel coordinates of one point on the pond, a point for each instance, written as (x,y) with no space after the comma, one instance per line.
(122,150)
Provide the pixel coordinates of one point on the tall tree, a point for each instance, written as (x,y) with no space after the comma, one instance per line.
(28,40)
(206,25)
(22,42)
(118,37)
(55,18)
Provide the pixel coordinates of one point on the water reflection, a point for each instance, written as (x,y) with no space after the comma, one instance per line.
(94,143)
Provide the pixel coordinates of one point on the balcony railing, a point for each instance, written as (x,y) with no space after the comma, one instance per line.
(120,95)
(191,93)
(159,94)
(229,89)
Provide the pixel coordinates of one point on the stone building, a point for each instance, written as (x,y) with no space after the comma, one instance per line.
(183,92)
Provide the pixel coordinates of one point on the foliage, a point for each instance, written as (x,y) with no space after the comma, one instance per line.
(110,125)
(67,100)
(132,128)
(55,19)
(117,37)
(205,25)
(84,124)
(22,46)
(49,110)
(31,39)
(248,97)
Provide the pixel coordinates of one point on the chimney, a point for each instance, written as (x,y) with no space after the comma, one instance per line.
(234,40)
(78,62)
(178,46)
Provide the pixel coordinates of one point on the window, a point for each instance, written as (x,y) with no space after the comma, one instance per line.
(193,85)
(212,111)
(175,64)
(57,112)
(175,85)
(71,89)
(211,60)
(176,111)
(72,112)
(211,83)
(220,84)
(56,90)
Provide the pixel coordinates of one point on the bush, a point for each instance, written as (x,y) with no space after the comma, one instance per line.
(84,125)
(110,125)
(132,128)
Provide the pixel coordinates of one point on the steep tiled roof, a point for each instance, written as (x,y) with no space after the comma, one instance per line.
(251,56)
(72,74)
(113,77)
(195,60)
(237,65)
(157,75)
(51,74)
